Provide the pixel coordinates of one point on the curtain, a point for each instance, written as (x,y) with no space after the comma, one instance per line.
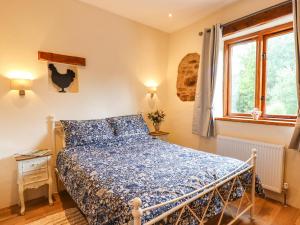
(203,120)
(295,142)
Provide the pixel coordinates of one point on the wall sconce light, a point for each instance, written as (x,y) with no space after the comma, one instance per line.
(152,91)
(21,85)
(151,87)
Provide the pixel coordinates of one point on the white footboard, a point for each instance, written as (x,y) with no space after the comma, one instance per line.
(211,190)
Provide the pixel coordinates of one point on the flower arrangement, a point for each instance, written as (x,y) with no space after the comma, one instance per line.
(156,118)
(256,113)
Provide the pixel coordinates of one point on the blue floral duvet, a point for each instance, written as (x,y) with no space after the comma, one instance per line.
(102,180)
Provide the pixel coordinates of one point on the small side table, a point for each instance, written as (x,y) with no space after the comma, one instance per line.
(164,136)
(33,172)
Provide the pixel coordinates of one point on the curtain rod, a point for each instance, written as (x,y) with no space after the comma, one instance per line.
(252,14)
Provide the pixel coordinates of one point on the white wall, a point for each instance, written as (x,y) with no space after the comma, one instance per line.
(121,56)
(180,113)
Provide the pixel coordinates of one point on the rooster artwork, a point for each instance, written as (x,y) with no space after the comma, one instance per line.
(62,81)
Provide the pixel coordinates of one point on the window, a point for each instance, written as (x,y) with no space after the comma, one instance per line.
(243,73)
(261,73)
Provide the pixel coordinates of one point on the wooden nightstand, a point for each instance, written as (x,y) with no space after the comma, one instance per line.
(33,172)
(164,136)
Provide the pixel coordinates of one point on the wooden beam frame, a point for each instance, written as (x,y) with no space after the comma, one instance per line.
(258,18)
(53,57)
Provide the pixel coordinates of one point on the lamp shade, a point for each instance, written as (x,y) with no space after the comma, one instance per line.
(152,90)
(21,84)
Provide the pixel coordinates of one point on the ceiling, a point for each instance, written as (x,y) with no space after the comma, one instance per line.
(155,13)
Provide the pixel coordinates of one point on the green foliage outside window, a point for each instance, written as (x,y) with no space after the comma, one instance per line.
(281,96)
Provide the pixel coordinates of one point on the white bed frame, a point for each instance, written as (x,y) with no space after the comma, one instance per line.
(210,189)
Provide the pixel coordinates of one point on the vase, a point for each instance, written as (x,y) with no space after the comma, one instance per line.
(156,127)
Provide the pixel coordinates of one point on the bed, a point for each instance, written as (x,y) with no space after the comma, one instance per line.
(117,174)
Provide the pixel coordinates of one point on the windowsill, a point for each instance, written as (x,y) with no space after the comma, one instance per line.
(260,121)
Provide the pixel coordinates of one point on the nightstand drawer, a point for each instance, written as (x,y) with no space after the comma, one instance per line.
(36,176)
(35,164)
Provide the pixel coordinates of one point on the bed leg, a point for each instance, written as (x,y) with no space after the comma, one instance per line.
(254,154)
(137,212)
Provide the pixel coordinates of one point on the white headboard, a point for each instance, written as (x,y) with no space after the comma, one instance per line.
(59,138)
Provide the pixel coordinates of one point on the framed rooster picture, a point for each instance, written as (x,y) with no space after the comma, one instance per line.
(63,77)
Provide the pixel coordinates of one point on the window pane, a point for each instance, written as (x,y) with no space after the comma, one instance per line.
(243,73)
(281,97)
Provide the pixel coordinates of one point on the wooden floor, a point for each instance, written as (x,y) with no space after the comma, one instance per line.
(267,212)
(35,210)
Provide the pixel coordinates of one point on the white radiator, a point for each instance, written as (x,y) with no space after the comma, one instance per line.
(270,158)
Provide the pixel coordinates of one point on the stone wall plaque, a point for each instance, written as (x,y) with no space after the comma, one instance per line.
(187,77)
